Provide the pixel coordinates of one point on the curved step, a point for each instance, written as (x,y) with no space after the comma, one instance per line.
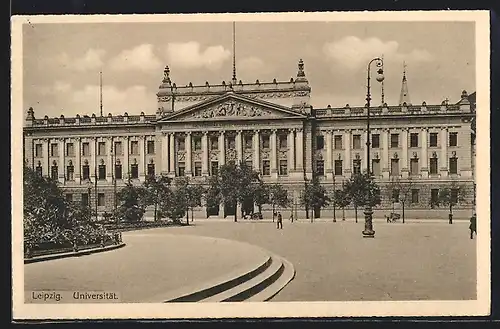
(274,288)
(251,287)
(207,289)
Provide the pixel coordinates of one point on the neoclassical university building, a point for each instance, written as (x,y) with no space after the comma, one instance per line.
(272,127)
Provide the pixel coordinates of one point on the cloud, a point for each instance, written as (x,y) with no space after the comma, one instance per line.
(250,64)
(141,57)
(353,52)
(190,56)
(91,60)
(57,87)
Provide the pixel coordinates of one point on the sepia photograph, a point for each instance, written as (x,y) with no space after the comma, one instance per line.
(251,165)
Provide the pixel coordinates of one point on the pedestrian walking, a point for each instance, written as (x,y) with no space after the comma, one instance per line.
(472,226)
(291,217)
(279,223)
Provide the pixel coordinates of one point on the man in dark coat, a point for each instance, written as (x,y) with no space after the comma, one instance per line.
(280,221)
(472,226)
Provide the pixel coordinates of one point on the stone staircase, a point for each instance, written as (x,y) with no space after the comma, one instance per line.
(257,284)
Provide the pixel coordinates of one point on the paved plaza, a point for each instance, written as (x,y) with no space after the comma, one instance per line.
(333,262)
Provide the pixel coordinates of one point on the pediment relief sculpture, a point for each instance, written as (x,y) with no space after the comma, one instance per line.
(232,109)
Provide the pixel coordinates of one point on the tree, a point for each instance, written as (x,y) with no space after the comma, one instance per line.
(362,190)
(450,197)
(399,191)
(314,196)
(278,197)
(261,194)
(342,200)
(156,189)
(133,201)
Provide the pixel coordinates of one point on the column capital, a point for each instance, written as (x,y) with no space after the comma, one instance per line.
(222,132)
(205,133)
(256,131)
(299,130)
(274,130)
(239,131)
(291,130)
(425,129)
(444,128)
(188,133)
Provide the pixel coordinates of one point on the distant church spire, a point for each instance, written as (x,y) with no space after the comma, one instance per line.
(404,97)
(234,54)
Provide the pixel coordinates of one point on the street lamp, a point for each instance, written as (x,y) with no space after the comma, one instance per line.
(368,231)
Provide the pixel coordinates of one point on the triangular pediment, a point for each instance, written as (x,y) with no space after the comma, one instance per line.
(232,107)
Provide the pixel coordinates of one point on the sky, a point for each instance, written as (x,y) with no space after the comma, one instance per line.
(61,62)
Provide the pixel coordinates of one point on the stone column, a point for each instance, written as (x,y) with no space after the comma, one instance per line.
(423,154)
(329,156)
(126,157)
(444,152)
(189,162)
(46,162)
(142,159)
(222,149)
(93,160)
(385,153)
(109,165)
(274,154)
(205,154)
(291,150)
(299,164)
(239,149)
(164,153)
(171,157)
(62,165)
(78,160)
(256,150)
(347,153)
(404,151)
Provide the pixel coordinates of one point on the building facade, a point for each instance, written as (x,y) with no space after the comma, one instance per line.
(269,125)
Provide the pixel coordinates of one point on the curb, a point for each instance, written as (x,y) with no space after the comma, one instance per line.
(72,254)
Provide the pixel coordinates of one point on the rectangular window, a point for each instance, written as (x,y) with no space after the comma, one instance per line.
(85,149)
(102,172)
(454,195)
(54,150)
(197,169)
(320,167)
(85,172)
(376,167)
(118,171)
(320,142)
(434,195)
(214,168)
(356,166)
(266,168)
(100,200)
(394,167)
(134,171)
(54,172)
(85,199)
(413,139)
(39,171)
(376,141)
(453,137)
(69,197)
(395,195)
(231,142)
(265,141)
(433,140)
(338,167)
(181,143)
(118,148)
(70,171)
(283,141)
(70,150)
(38,150)
(214,143)
(338,142)
(151,169)
(414,167)
(283,168)
(150,147)
(134,147)
(197,143)
(101,148)
(356,142)
(414,196)
(248,142)
(453,166)
(181,169)
(394,140)
(433,170)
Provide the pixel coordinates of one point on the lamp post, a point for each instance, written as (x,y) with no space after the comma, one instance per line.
(368,231)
